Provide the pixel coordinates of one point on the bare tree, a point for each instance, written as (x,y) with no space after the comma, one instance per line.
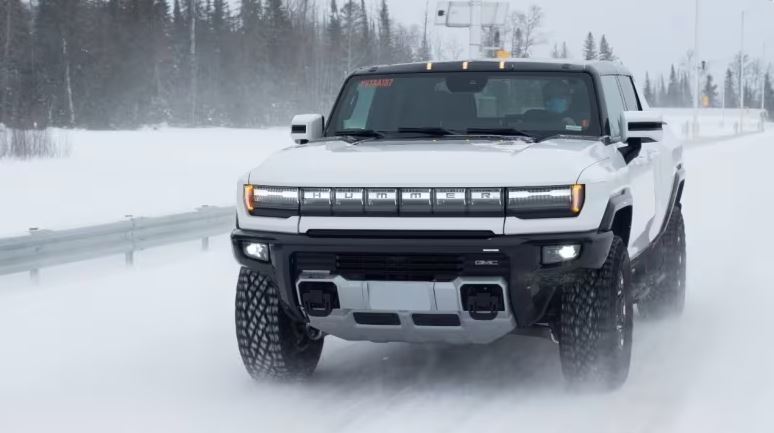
(68,80)
(527,30)
(6,67)
(192,59)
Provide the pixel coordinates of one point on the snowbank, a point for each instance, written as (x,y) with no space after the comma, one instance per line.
(110,174)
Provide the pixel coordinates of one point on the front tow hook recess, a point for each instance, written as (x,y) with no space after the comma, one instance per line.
(319,299)
(317,303)
(483,301)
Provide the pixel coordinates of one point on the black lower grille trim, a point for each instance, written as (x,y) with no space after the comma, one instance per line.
(436,319)
(383,319)
(404,267)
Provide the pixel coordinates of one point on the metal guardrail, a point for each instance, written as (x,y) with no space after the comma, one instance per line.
(44,248)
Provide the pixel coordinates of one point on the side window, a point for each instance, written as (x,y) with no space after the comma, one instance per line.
(629,94)
(614,104)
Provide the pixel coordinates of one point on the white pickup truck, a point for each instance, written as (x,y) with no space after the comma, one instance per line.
(462,202)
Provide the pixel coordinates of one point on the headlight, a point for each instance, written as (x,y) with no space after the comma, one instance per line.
(270,200)
(525,203)
(546,202)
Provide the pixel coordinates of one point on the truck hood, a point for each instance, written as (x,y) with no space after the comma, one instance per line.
(429,163)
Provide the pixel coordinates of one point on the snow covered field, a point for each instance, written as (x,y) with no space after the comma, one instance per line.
(99,348)
(114,173)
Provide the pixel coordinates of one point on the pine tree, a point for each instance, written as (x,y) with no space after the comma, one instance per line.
(565,54)
(686,93)
(662,98)
(730,95)
(649,93)
(768,94)
(385,54)
(590,48)
(606,51)
(15,60)
(674,90)
(710,91)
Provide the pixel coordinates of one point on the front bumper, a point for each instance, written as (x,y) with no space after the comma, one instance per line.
(529,286)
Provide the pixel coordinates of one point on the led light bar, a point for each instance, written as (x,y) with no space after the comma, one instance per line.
(348,201)
(278,198)
(381,201)
(416,200)
(316,201)
(532,202)
(450,200)
(486,200)
(546,202)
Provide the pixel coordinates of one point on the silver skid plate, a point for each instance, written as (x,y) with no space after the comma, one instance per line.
(406,298)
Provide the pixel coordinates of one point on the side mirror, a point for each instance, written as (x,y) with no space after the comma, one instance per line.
(306,127)
(644,126)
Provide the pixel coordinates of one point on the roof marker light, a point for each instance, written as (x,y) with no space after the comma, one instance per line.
(465,66)
(502,64)
(429,66)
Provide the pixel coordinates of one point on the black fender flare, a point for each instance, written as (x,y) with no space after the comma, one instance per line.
(624,198)
(675,199)
(617,202)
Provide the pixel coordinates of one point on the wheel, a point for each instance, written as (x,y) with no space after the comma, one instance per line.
(595,329)
(666,296)
(270,342)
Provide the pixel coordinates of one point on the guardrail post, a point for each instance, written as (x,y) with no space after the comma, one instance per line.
(34,272)
(129,255)
(205,240)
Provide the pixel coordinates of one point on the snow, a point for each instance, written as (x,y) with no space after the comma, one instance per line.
(111,174)
(713,122)
(97,347)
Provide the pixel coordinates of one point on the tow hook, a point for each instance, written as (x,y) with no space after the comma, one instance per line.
(319,299)
(483,301)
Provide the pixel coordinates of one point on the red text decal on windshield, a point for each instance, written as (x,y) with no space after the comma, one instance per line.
(378,83)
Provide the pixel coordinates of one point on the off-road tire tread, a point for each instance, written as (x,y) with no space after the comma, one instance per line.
(267,345)
(587,317)
(667,298)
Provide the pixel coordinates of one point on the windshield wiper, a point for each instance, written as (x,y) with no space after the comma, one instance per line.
(430,130)
(498,131)
(567,137)
(365,133)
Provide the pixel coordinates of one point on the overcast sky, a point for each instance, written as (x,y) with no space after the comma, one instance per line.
(647,35)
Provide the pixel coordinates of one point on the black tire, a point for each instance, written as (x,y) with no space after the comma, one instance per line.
(272,345)
(595,332)
(666,297)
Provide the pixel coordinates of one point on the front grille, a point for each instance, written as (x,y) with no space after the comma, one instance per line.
(403,267)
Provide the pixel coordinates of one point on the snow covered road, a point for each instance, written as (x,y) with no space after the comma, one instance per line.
(104,349)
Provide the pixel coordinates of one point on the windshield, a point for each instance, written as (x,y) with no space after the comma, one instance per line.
(504,103)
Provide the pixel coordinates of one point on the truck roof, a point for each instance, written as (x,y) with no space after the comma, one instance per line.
(491,65)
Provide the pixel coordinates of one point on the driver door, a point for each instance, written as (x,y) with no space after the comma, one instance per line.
(642,178)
